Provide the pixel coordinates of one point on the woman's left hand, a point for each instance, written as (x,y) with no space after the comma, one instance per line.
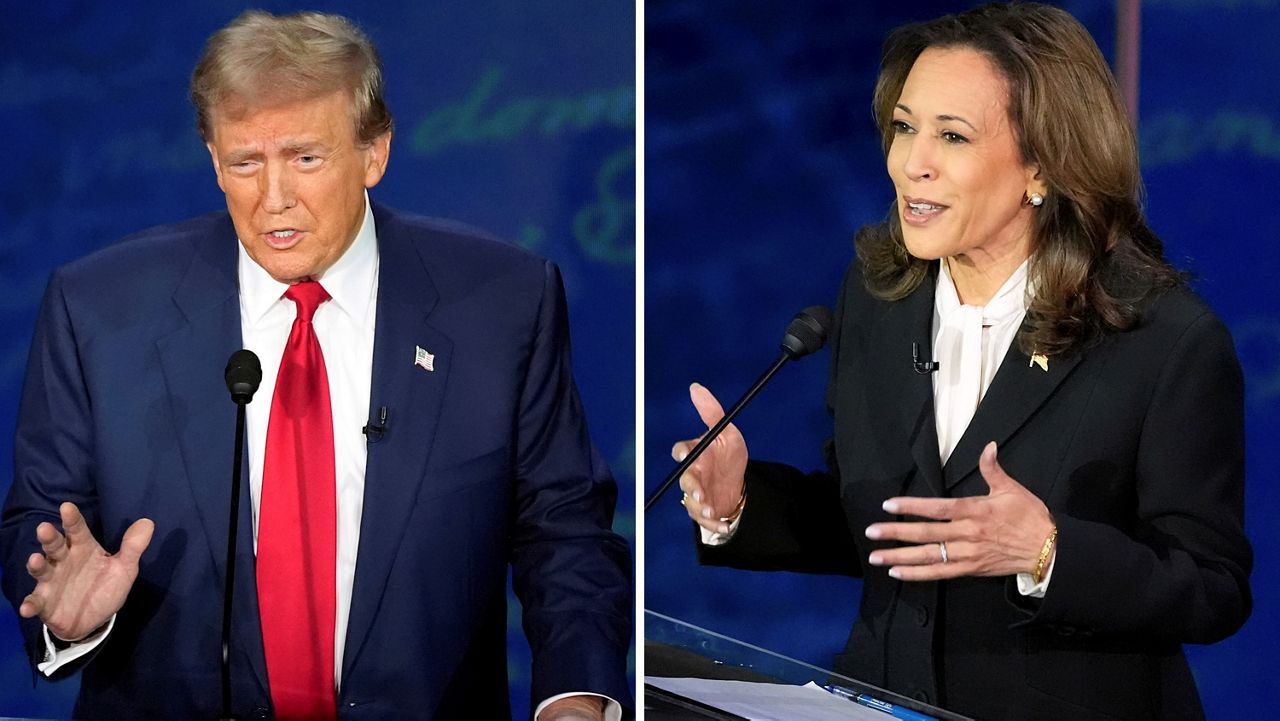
(999,534)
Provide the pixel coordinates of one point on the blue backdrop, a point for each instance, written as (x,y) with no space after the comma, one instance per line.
(518,118)
(761,159)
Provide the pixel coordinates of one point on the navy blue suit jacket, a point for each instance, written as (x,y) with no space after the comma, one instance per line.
(486,465)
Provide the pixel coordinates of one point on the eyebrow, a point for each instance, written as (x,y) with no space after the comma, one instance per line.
(294,147)
(940,117)
(302,147)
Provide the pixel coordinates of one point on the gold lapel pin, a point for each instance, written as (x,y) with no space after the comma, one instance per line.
(1039,359)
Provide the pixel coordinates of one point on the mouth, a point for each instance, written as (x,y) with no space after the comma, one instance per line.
(282,239)
(919,211)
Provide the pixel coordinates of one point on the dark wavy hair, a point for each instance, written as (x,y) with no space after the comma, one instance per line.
(1093,259)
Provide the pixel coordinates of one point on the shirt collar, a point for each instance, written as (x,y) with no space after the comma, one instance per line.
(1012,298)
(349,281)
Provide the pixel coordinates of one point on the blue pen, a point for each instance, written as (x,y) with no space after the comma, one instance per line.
(871,702)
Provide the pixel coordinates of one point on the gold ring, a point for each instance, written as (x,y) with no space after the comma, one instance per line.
(942,546)
(684,498)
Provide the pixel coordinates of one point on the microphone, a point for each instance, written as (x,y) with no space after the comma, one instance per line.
(375,431)
(806,333)
(243,374)
(924,368)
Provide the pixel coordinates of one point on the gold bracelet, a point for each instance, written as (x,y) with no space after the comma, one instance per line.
(737,510)
(1045,550)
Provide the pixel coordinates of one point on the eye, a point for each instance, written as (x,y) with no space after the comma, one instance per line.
(900,127)
(308,159)
(952,137)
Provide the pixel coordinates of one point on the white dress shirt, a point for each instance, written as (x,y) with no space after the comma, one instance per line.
(344,326)
(969,344)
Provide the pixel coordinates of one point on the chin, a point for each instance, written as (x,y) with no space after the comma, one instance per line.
(921,248)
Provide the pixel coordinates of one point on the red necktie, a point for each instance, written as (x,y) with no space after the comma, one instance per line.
(298,526)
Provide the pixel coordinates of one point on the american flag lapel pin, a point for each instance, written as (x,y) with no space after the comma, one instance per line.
(423,359)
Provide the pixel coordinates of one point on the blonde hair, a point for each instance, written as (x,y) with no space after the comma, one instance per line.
(1093,257)
(263,59)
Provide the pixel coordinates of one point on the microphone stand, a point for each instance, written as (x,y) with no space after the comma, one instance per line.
(229,586)
(712,434)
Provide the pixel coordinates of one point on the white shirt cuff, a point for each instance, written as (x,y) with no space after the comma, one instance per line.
(55,658)
(612,709)
(713,538)
(1036,590)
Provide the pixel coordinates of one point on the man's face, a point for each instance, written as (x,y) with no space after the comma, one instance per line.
(295,177)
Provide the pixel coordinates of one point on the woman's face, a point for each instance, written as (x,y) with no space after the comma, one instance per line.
(955,163)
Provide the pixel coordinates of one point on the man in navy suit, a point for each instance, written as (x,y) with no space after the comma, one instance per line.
(451,347)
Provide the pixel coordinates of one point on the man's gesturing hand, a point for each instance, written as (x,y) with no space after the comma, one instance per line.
(78,584)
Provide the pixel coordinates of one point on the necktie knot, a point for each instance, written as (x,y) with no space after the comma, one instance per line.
(307,295)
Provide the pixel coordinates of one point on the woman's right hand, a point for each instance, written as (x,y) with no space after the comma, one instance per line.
(714,484)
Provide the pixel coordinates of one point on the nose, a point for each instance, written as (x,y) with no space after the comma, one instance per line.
(277,188)
(920,161)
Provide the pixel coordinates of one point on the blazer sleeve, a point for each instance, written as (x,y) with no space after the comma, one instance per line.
(1180,571)
(52,457)
(794,521)
(571,572)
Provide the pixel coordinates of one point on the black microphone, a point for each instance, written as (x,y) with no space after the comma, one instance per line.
(243,374)
(805,334)
(375,431)
(924,368)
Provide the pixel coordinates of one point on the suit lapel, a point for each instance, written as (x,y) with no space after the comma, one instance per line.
(1018,389)
(907,396)
(413,396)
(193,358)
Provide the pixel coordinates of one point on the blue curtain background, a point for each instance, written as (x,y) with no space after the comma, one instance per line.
(761,159)
(515,117)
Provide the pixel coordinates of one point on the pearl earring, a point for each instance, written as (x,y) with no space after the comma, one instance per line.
(1036,199)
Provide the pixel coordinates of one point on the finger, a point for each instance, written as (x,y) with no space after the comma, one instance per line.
(942,509)
(924,555)
(681,449)
(995,476)
(37,566)
(31,607)
(51,541)
(691,486)
(136,539)
(704,516)
(923,532)
(73,525)
(933,572)
(709,409)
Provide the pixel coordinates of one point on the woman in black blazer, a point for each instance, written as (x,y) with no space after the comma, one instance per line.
(1045,517)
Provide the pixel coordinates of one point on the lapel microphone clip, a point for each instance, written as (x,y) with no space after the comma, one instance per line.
(924,368)
(375,431)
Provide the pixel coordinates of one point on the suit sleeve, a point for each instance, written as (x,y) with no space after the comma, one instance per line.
(1181,571)
(570,570)
(52,456)
(794,521)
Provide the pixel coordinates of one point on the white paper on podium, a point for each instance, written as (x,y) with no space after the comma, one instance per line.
(769,701)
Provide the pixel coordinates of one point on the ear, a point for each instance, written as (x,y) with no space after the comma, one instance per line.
(217,166)
(1035,180)
(376,157)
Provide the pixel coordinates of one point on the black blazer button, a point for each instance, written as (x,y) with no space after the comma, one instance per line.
(922,615)
(921,696)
